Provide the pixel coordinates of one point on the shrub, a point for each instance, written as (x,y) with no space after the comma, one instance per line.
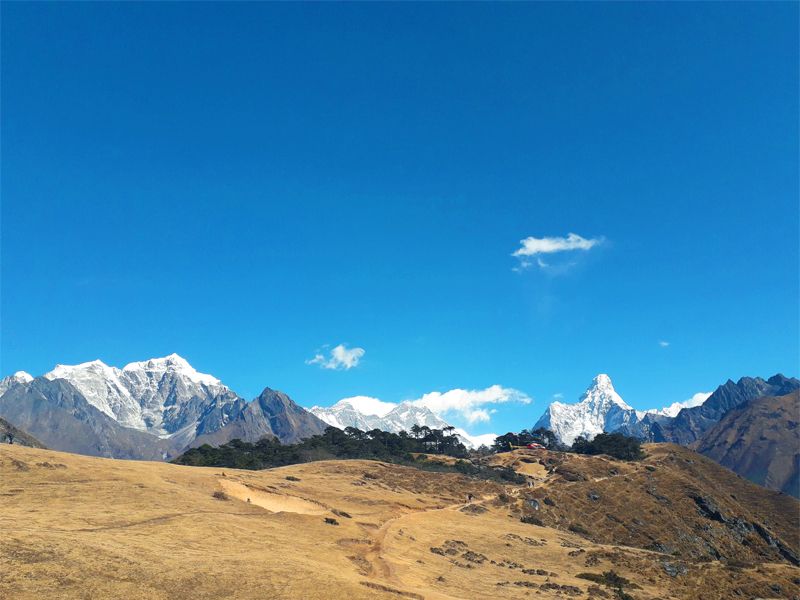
(220,495)
(615,445)
(613,580)
(579,529)
(532,520)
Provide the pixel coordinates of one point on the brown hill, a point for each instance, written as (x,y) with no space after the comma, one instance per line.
(84,527)
(760,440)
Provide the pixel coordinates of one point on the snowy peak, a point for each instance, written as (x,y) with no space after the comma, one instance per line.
(22,377)
(365,413)
(159,395)
(172,364)
(599,409)
(602,393)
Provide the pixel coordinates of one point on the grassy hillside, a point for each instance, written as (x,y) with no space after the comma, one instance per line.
(83,527)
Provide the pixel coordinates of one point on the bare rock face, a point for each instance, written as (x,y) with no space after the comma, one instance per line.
(272,414)
(13,435)
(759,440)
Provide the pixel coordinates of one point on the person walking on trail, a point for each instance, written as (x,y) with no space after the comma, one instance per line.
(469,498)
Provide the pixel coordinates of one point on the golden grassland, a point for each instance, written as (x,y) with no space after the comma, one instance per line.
(81,527)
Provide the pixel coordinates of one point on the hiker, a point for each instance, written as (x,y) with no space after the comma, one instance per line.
(469,498)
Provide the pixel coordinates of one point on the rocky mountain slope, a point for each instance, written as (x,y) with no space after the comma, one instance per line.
(56,413)
(760,440)
(273,413)
(691,423)
(363,529)
(13,435)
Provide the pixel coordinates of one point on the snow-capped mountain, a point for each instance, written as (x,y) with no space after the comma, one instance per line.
(18,377)
(362,414)
(365,413)
(673,409)
(161,395)
(599,409)
(151,410)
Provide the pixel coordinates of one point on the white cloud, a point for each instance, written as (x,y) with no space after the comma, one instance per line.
(663,344)
(368,405)
(340,358)
(484,439)
(532,246)
(673,409)
(469,404)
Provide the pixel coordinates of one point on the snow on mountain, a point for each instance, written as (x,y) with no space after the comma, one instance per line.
(673,409)
(160,395)
(365,413)
(18,377)
(599,409)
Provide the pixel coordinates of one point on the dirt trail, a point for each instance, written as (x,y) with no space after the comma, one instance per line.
(382,570)
(271,501)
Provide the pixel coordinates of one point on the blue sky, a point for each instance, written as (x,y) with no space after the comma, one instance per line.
(251,185)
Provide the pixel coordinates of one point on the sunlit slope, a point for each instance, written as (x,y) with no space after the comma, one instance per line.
(81,527)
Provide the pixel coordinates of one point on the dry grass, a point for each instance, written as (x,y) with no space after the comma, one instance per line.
(98,528)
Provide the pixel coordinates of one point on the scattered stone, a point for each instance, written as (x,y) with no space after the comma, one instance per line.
(708,508)
(474,557)
(673,569)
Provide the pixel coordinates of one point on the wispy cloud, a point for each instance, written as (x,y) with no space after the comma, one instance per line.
(340,358)
(535,247)
(663,344)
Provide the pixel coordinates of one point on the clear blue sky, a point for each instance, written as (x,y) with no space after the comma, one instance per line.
(245,183)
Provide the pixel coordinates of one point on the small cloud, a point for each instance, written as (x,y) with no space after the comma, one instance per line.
(558,396)
(340,358)
(663,344)
(532,246)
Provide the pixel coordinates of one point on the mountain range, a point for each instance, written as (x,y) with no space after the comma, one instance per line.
(749,426)
(150,410)
(365,414)
(156,409)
